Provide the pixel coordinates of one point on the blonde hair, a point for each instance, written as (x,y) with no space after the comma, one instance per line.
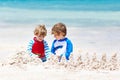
(40,30)
(59,28)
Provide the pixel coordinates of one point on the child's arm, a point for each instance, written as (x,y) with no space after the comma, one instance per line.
(29,47)
(52,48)
(47,49)
(69,49)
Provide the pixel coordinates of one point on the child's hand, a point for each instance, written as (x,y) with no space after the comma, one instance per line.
(58,52)
(35,56)
(59,58)
(38,54)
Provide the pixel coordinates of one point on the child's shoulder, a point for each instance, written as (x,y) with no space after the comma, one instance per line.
(54,40)
(45,42)
(31,41)
(68,41)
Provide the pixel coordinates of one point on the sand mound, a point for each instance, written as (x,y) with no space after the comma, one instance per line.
(22,59)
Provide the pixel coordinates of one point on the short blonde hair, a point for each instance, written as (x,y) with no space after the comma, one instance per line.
(40,30)
(59,28)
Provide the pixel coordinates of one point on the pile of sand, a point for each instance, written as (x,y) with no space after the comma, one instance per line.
(22,60)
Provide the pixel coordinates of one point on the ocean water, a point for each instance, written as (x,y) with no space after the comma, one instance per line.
(74,13)
(96,5)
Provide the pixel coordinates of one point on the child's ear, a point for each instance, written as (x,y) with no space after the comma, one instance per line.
(63,34)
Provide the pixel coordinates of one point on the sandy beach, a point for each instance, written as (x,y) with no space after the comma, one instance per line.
(93,58)
(21,66)
(93,26)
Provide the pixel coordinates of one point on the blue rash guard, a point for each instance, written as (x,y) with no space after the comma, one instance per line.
(62,47)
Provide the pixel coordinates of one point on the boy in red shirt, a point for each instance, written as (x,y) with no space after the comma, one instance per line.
(38,45)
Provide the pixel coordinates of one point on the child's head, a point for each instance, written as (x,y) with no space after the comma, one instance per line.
(59,30)
(40,32)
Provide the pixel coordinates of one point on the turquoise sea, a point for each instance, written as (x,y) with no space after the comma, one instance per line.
(74,13)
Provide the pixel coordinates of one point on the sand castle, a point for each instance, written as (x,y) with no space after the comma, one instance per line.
(21,59)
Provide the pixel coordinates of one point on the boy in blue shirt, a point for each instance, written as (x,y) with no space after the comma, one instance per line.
(61,46)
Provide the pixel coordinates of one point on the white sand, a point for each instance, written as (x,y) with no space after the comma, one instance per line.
(17,65)
(43,74)
(21,66)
